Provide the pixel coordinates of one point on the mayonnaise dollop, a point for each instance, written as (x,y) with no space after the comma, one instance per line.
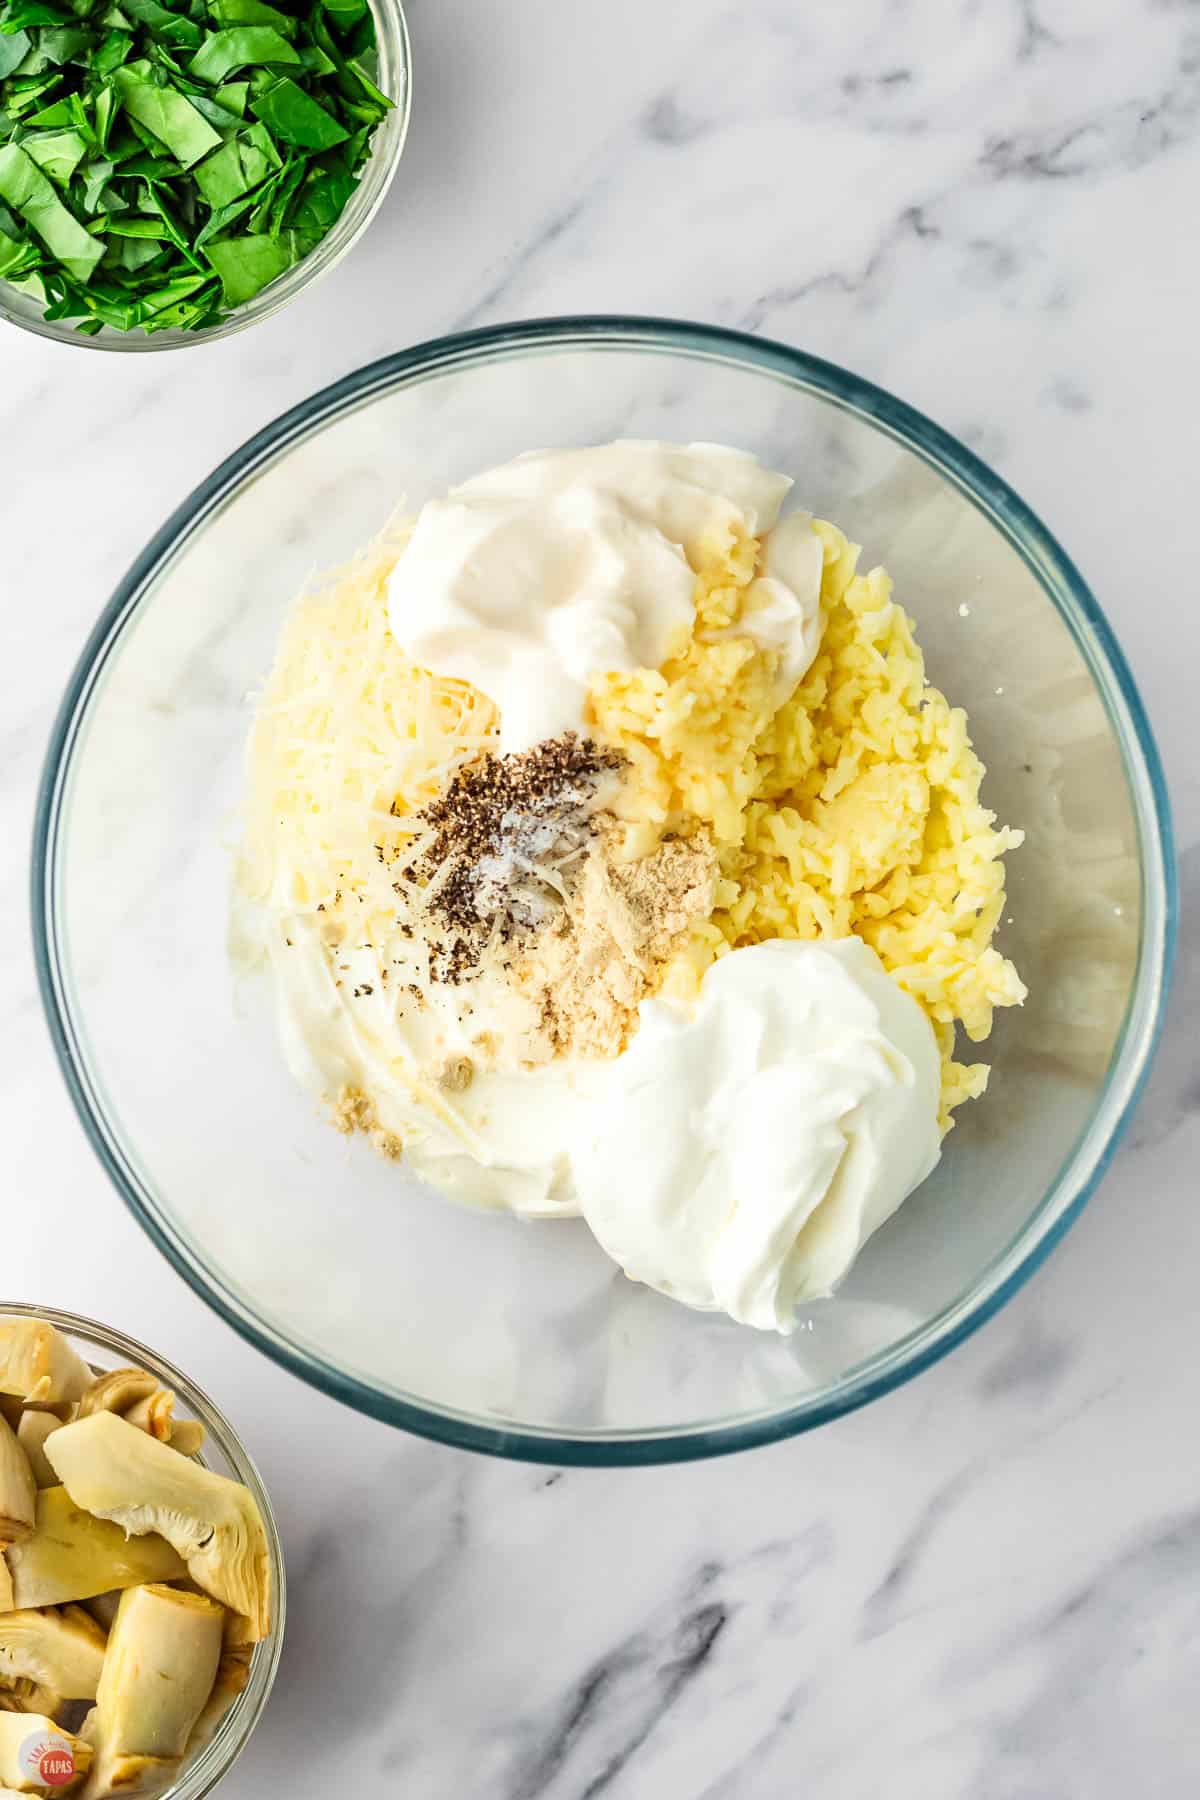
(531,578)
(737,1158)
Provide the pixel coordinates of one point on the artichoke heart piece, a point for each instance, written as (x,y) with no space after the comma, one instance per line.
(116,1391)
(187,1436)
(233,1675)
(72,1556)
(119,1473)
(38,1364)
(136,1396)
(18,1489)
(32,1431)
(16,1729)
(162,1661)
(20,1696)
(152,1414)
(62,1651)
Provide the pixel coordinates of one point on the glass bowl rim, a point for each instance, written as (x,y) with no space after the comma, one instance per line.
(289,286)
(219,1755)
(1063,585)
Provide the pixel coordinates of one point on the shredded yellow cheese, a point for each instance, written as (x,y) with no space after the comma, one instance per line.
(854,808)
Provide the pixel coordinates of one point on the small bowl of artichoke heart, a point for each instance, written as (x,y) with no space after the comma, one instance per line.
(141,1576)
(173,172)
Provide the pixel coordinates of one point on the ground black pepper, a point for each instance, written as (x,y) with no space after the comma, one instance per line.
(502,812)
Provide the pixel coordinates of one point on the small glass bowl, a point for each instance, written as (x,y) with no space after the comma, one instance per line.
(395,80)
(223,1453)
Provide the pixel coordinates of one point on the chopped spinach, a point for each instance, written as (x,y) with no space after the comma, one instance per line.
(162,161)
(297,119)
(241,47)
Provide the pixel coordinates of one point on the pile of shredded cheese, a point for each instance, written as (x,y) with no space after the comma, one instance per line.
(349,741)
(854,808)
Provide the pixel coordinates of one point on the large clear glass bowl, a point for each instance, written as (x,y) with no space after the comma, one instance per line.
(394,78)
(104,1348)
(516,1338)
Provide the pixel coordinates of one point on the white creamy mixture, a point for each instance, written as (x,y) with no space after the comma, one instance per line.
(737,1156)
(530,579)
(501,1141)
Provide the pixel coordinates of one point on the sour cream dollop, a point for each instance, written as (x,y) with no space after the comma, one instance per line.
(528,580)
(738,1157)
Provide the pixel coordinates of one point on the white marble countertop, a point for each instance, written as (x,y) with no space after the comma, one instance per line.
(984,1586)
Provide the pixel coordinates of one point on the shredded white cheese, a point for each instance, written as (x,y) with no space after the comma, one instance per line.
(350,741)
